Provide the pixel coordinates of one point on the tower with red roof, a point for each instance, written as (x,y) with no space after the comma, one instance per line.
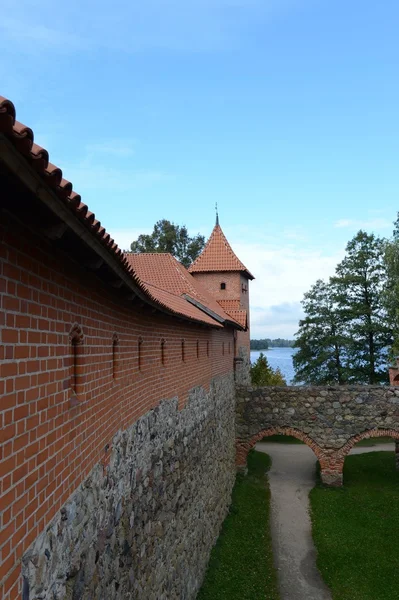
(222,273)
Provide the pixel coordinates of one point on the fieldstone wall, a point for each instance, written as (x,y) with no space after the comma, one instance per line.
(329,419)
(242,365)
(144,528)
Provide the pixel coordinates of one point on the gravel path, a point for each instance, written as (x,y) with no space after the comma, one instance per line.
(291,477)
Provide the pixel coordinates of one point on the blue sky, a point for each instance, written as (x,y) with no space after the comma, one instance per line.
(285,112)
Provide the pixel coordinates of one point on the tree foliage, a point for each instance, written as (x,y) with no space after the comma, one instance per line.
(321,339)
(346,330)
(168,237)
(391,297)
(360,283)
(262,373)
(266,343)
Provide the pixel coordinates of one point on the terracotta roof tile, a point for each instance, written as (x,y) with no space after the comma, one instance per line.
(229,305)
(240,316)
(161,271)
(218,256)
(167,299)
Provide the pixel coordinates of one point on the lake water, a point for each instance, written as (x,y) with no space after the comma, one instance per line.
(278,357)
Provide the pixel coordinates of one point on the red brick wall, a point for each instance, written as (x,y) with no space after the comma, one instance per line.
(47,445)
(234,291)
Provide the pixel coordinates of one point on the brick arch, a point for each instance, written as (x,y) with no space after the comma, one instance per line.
(244,446)
(369,433)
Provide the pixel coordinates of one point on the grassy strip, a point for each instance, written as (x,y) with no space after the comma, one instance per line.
(241,564)
(356,529)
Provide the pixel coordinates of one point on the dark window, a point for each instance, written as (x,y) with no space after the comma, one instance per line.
(223,285)
(114,356)
(139,352)
(223,348)
(183,351)
(207,348)
(163,351)
(76,340)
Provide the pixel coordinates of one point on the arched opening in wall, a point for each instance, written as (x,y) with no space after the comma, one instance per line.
(115,356)
(371,455)
(289,448)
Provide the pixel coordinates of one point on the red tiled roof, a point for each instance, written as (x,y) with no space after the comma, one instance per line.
(37,157)
(218,255)
(229,305)
(161,272)
(240,316)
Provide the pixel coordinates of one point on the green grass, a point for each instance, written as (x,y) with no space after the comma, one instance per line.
(241,563)
(375,441)
(281,439)
(356,529)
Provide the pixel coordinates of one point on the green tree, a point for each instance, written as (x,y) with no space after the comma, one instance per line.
(168,237)
(360,285)
(391,295)
(321,340)
(262,374)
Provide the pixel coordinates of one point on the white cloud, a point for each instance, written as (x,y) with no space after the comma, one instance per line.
(124,237)
(283,274)
(370,224)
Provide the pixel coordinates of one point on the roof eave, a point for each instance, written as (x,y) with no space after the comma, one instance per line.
(18,165)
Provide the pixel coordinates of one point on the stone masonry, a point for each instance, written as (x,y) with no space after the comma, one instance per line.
(143,527)
(330,420)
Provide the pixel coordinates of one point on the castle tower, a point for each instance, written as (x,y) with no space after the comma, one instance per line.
(221,272)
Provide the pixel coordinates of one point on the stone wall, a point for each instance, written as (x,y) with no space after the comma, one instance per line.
(242,366)
(329,419)
(143,527)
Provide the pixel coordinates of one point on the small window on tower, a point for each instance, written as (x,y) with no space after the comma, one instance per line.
(223,285)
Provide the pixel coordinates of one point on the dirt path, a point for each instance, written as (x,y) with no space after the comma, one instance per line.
(291,477)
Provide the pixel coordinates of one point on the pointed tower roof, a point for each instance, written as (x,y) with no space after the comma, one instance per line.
(218,255)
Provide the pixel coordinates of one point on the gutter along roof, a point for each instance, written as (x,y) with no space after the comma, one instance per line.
(30,163)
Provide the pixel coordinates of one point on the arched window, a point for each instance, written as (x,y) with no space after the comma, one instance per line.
(207,349)
(163,343)
(139,352)
(183,350)
(115,356)
(223,285)
(76,373)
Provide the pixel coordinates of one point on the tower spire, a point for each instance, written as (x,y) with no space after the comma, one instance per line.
(217,214)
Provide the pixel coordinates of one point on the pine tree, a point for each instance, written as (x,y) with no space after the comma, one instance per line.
(391,295)
(360,284)
(262,373)
(321,339)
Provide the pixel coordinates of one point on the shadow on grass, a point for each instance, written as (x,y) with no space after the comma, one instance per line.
(241,564)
